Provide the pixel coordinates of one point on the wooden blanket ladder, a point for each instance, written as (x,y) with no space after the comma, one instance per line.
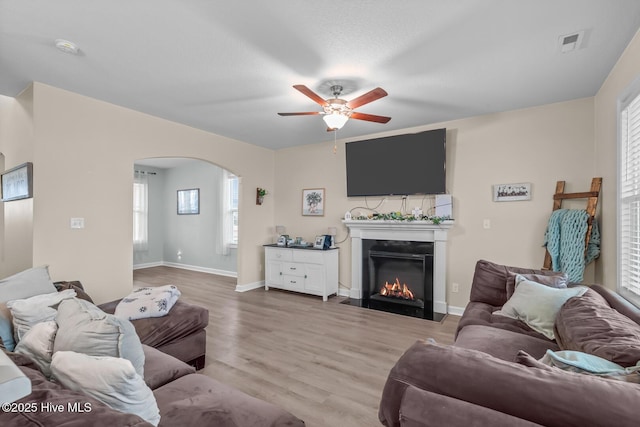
(592,203)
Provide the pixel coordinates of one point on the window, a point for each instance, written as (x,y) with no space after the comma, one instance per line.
(232,206)
(629,196)
(140,211)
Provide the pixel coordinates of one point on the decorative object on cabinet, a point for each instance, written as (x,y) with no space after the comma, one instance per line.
(260,193)
(17,182)
(304,270)
(512,192)
(322,242)
(189,201)
(313,202)
(332,232)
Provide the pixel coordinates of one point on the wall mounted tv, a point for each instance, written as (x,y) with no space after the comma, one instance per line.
(397,165)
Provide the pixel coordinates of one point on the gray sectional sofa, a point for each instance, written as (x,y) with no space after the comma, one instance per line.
(495,373)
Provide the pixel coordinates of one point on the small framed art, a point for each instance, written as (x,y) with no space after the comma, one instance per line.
(512,192)
(17,183)
(313,202)
(189,201)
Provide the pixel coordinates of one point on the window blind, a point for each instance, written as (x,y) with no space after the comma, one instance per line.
(629,193)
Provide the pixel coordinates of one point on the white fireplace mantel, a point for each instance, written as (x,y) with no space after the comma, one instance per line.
(414,231)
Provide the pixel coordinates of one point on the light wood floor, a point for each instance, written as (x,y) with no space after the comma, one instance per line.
(324,362)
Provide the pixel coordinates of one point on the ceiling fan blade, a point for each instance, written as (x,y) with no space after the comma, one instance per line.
(368,97)
(370,117)
(311,94)
(308,113)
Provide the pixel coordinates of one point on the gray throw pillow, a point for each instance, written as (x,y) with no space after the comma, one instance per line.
(84,328)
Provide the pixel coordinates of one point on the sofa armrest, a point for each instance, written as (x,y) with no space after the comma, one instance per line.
(547,397)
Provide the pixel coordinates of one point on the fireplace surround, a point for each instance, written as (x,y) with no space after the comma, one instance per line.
(400,231)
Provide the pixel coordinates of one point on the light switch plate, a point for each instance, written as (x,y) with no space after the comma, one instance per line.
(77,223)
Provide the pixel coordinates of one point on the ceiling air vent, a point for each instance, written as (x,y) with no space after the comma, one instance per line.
(570,42)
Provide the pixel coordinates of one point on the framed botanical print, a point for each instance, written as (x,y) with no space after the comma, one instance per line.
(313,202)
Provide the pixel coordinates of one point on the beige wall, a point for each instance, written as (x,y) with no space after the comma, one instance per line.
(16,145)
(606,106)
(538,145)
(83,155)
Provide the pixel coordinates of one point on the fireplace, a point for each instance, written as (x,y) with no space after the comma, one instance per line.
(399,231)
(399,276)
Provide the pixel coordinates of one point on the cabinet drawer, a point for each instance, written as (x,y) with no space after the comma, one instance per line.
(293,283)
(279,254)
(293,269)
(309,256)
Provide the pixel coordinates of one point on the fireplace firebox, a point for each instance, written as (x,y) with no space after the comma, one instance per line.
(399,275)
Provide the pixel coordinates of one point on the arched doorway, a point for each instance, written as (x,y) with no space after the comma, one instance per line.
(190,215)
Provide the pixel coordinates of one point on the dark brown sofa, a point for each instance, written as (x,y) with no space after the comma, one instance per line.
(490,376)
(183,397)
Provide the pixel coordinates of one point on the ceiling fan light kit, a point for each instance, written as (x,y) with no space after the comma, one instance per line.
(336,111)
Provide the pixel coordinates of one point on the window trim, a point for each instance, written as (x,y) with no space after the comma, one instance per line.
(624,100)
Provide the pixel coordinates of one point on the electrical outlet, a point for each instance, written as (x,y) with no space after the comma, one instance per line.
(455,288)
(486,224)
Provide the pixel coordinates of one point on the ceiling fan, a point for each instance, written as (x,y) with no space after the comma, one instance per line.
(337,111)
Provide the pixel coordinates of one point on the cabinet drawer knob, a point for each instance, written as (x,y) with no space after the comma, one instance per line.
(292,268)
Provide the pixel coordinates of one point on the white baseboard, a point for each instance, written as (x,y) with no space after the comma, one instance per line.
(456,311)
(250,286)
(187,267)
(344,292)
(147,265)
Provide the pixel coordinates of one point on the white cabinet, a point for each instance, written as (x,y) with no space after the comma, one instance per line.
(310,271)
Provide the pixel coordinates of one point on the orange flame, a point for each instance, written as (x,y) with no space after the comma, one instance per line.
(396,290)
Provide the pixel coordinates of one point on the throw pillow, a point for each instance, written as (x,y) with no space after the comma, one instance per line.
(84,328)
(37,343)
(537,305)
(592,326)
(40,308)
(555,280)
(34,281)
(111,380)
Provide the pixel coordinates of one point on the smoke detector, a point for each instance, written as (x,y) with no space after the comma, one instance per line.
(67,47)
(570,42)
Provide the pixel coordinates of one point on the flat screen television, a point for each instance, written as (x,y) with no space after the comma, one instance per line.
(397,165)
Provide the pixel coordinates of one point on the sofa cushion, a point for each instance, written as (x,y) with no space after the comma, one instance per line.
(537,305)
(479,313)
(490,281)
(111,380)
(160,368)
(503,344)
(197,400)
(28,283)
(590,325)
(183,319)
(84,328)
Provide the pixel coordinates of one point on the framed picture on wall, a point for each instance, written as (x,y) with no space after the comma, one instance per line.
(512,192)
(313,202)
(17,183)
(189,201)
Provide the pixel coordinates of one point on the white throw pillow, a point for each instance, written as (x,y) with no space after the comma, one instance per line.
(34,281)
(40,308)
(111,380)
(84,328)
(38,345)
(537,305)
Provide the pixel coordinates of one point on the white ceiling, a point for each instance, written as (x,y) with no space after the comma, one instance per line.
(228,66)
